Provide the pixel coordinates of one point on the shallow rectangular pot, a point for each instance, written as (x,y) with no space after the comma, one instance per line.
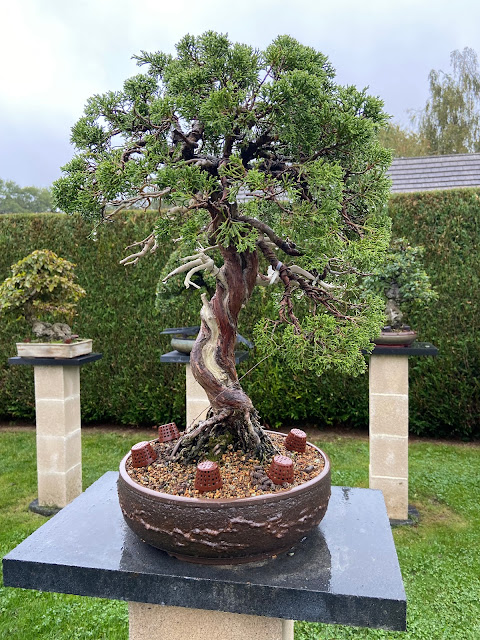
(53,350)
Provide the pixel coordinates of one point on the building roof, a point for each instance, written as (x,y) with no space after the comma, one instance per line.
(427,173)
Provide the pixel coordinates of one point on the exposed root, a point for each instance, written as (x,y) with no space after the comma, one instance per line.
(226,429)
(204,427)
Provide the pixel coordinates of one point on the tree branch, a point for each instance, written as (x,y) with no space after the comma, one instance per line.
(286,246)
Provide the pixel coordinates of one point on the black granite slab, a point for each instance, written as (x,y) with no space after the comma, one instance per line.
(345,572)
(184,358)
(415,349)
(78,361)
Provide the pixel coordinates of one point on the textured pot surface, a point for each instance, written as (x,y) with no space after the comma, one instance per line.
(224,531)
(396,338)
(54,350)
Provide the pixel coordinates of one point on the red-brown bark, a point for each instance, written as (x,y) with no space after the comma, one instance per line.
(213,355)
(213,365)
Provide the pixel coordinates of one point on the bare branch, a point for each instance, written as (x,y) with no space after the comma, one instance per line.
(198,262)
(148,244)
(122,204)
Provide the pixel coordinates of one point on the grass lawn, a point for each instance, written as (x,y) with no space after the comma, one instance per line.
(439,557)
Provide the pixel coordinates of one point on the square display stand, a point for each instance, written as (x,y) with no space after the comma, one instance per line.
(345,572)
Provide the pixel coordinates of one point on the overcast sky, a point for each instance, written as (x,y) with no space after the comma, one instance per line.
(54,54)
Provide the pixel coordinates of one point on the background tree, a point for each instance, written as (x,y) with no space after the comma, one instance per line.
(220,119)
(404,142)
(16,199)
(450,120)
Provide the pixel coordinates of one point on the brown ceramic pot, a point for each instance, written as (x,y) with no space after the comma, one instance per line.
(396,338)
(227,531)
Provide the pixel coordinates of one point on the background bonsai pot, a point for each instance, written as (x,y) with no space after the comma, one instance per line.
(54,349)
(396,337)
(224,531)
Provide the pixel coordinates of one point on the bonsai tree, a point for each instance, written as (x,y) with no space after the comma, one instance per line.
(264,172)
(402,281)
(42,286)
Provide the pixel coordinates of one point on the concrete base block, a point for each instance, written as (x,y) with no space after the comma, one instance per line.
(388,374)
(388,414)
(57,489)
(389,456)
(157,622)
(395,494)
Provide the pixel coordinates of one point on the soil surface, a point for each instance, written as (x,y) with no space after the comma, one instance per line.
(242,475)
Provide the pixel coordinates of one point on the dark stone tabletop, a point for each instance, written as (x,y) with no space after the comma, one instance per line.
(78,361)
(415,349)
(345,572)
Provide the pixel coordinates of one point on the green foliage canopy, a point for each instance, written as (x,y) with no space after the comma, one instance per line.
(219,120)
(403,267)
(41,284)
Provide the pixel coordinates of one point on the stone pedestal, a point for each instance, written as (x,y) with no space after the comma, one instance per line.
(157,622)
(59,438)
(388,423)
(388,401)
(58,427)
(196,398)
(344,572)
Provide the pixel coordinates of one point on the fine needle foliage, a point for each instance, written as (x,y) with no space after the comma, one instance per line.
(402,281)
(42,286)
(266,172)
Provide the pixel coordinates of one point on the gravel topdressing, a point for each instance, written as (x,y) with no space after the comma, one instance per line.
(242,475)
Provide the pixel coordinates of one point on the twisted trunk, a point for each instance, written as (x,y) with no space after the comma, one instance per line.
(232,418)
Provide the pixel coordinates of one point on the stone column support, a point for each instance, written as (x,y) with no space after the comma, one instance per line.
(197,400)
(388,396)
(59,447)
(59,444)
(158,622)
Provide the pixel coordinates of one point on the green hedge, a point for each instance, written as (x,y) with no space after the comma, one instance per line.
(445,391)
(130,386)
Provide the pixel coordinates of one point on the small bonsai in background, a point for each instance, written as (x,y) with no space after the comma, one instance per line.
(42,287)
(403,282)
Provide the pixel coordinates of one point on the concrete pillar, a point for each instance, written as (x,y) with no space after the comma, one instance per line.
(157,622)
(197,401)
(59,447)
(388,395)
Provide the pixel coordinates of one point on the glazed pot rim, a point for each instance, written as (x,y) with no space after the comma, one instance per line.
(402,332)
(218,503)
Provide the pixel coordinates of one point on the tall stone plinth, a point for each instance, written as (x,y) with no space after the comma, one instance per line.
(59,438)
(58,428)
(388,413)
(388,400)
